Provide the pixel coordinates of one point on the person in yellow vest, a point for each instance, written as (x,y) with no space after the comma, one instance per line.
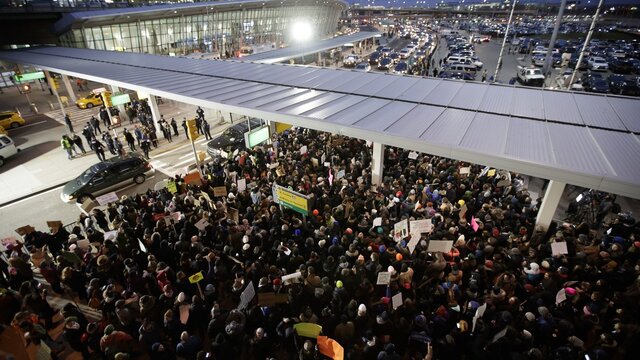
(67,145)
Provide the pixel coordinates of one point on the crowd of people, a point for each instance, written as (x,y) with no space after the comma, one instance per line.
(499,292)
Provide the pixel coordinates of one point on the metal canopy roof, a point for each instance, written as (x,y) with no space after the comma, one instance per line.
(577,138)
(291,52)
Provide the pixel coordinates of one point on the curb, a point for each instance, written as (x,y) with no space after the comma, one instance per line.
(32,194)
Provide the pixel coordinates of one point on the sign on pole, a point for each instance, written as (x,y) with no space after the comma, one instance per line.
(291,199)
(30,76)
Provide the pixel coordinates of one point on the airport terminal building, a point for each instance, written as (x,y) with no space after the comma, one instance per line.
(225,27)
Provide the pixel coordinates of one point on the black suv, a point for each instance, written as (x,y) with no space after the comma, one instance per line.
(107,176)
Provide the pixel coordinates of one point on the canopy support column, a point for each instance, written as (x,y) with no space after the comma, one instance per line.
(155,112)
(123,114)
(69,88)
(549,203)
(377,163)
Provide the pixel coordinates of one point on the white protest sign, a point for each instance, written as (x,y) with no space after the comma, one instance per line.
(413,243)
(440,246)
(322,159)
(479,312)
(291,278)
(83,244)
(246,296)
(202,224)
(142,247)
(113,234)
(242,184)
(303,150)
(107,198)
(273,165)
(413,155)
(559,248)
(561,296)
(400,230)
(418,227)
(384,278)
(465,170)
(396,300)
(377,221)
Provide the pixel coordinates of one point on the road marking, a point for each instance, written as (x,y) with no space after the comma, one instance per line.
(31,124)
(29,198)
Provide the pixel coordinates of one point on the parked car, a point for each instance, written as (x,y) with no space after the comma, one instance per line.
(385,64)
(621,85)
(600,86)
(530,76)
(598,63)
(621,66)
(401,68)
(363,66)
(11,119)
(231,139)
(107,176)
(7,149)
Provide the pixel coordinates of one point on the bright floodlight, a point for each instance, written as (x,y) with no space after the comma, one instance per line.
(301,31)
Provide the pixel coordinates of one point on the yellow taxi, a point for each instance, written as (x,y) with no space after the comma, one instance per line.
(11,119)
(91,100)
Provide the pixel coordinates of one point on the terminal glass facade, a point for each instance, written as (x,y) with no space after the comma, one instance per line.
(223,31)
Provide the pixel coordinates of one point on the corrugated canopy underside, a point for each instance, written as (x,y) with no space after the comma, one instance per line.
(577,138)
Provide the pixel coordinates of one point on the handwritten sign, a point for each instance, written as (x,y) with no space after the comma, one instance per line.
(413,243)
(107,198)
(220,191)
(440,246)
(193,178)
(474,224)
(396,300)
(418,227)
(465,170)
(559,248)
(246,296)
(400,230)
(197,277)
(202,224)
(292,278)
(172,187)
(242,184)
(384,278)
(377,221)
(5,242)
(413,155)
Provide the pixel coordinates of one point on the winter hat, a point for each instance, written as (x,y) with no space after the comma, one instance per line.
(529,316)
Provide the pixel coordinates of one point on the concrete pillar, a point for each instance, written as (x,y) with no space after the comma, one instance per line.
(55,91)
(155,112)
(67,85)
(123,114)
(549,203)
(377,163)
(319,59)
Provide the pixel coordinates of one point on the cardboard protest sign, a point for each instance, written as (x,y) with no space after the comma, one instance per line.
(309,330)
(87,206)
(384,278)
(193,178)
(400,230)
(197,277)
(418,227)
(220,191)
(465,170)
(247,295)
(330,348)
(271,299)
(234,214)
(25,230)
(559,248)
(463,211)
(440,246)
(202,224)
(396,300)
(413,243)
(54,225)
(107,198)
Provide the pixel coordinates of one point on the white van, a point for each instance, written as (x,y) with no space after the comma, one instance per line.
(7,148)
